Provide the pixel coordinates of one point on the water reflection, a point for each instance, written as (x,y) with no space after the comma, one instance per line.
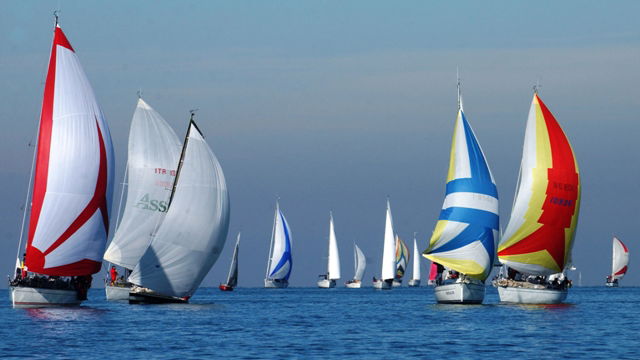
(76,313)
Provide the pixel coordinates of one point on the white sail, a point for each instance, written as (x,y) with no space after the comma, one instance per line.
(232,278)
(416,261)
(360,262)
(280,262)
(154,150)
(333,262)
(194,230)
(389,250)
(620,259)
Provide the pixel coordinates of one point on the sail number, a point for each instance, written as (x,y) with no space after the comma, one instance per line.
(152,204)
(164,171)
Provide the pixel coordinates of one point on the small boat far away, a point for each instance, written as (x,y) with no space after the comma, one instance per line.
(232,278)
(153,154)
(328,280)
(388,259)
(619,263)
(188,241)
(402,259)
(535,249)
(466,232)
(360,264)
(415,280)
(70,199)
(280,262)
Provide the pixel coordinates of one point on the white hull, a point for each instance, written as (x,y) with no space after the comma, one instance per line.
(353,285)
(414,283)
(460,293)
(612,284)
(397,283)
(326,284)
(519,295)
(117,293)
(28,297)
(431,283)
(382,285)
(272,284)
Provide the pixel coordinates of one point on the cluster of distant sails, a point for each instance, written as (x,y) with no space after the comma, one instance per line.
(166,250)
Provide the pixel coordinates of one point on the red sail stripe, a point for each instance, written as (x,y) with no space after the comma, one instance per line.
(624,247)
(621,271)
(560,201)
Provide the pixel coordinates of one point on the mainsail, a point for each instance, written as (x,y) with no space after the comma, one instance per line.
(280,262)
(389,248)
(154,151)
(540,233)
(232,279)
(360,262)
(466,233)
(333,262)
(620,259)
(416,260)
(402,257)
(73,181)
(194,230)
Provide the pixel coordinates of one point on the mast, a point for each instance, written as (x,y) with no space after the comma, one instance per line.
(273,233)
(184,150)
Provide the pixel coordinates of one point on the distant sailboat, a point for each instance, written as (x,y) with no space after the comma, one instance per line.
(388,259)
(466,232)
(402,260)
(539,236)
(360,264)
(415,280)
(232,278)
(188,241)
(72,189)
(154,152)
(328,280)
(280,263)
(619,262)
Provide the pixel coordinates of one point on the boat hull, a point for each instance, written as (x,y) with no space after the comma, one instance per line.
(146,296)
(460,293)
(225,287)
(520,295)
(353,284)
(611,284)
(326,283)
(397,283)
(272,284)
(117,293)
(414,283)
(382,285)
(28,297)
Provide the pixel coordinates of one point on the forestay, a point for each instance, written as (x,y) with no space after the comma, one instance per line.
(73,180)
(194,230)
(154,151)
(540,233)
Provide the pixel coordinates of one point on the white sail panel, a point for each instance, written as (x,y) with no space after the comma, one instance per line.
(73,181)
(389,250)
(620,259)
(280,264)
(189,240)
(154,151)
(361,263)
(232,279)
(333,263)
(416,261)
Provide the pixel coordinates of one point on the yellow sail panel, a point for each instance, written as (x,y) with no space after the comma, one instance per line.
(465,266)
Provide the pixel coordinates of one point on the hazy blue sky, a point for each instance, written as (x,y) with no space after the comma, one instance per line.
(334,105)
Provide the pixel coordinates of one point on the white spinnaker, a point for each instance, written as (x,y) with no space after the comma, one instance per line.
(194,230)
(154,151)
(361,263)
(620,258)
(333,263)
(389,250)
(416,261)
(74,162)
(279,247)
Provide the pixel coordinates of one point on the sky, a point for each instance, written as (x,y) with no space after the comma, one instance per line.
(333,106)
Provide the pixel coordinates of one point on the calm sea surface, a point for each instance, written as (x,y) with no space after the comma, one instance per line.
(304,323)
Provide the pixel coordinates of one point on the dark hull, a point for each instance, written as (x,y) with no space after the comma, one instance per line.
(147,298)
(225,287)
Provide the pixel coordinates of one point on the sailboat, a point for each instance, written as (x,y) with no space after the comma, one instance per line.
(360,264)
(280,263)
(402,259)
(539,236)
(192,234)
(388,259)
(72,189)
(328,280)
(465,235)
(154,152)
(232,278)
(619,262)
(415,280)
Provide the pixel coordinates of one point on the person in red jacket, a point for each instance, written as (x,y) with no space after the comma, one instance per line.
(114,275)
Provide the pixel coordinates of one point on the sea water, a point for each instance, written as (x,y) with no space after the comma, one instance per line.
(311,323)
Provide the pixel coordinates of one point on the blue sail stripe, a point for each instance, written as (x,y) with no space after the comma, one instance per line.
(470,234)
(473,186)
(286,256)
(470,216)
